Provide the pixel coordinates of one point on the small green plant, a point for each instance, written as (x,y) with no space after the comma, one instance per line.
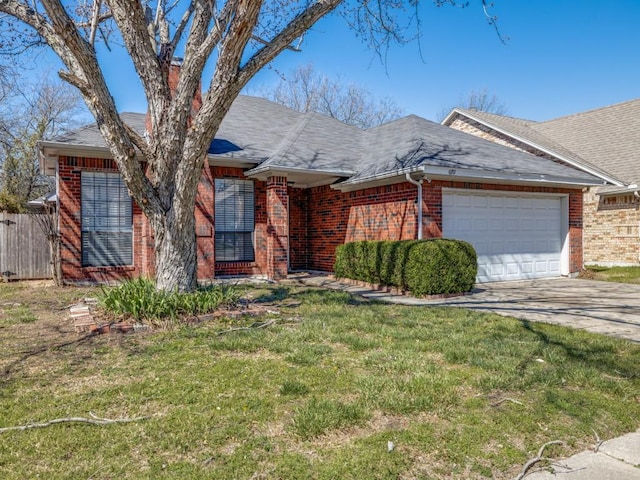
(320,416)
(17,314)
(293,388)
(138,298)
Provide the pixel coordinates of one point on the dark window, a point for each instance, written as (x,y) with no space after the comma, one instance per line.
(107,230)
(234,220)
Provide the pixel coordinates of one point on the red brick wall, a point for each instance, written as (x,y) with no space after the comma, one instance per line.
(320,219)
(381,213)
(389,212)
(143,242)
(298,231)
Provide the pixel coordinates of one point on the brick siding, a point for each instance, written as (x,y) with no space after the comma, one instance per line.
(277,228)
(310,223)
(611,225)
(389,213)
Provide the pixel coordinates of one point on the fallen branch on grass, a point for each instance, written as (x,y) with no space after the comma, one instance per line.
(253,326)
(506,399)
(598,443)
(94,420)
(538,458)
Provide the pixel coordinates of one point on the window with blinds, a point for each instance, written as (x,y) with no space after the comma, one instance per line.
(234,220)
(107,226)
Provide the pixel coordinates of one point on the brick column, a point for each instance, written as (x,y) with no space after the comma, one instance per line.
(205,212)
(277,228)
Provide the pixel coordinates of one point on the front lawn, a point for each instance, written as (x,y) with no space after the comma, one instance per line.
(335,388)
(612,274)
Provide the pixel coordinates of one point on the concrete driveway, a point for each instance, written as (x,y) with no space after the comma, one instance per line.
(601,307)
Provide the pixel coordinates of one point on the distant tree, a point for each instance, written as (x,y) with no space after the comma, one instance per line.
(305,90)
(481,101)
(30,113)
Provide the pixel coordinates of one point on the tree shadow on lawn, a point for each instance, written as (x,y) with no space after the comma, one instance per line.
(598,354)
(12,367)
(322,295)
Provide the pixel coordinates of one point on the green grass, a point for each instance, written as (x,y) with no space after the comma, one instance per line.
(11,314)
(318,395)
(613,274)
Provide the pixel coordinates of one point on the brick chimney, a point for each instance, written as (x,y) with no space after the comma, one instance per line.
(174,75)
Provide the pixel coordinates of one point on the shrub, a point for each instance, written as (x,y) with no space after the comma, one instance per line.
(138,298)
(423,267)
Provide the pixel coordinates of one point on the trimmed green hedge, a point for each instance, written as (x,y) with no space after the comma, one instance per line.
(423,267)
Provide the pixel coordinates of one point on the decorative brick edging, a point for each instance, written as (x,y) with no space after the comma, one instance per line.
(84,321)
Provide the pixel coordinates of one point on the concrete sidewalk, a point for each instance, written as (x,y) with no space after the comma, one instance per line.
(607,308)
(616,459)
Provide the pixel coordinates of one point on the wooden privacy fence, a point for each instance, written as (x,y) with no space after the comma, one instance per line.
(24,249)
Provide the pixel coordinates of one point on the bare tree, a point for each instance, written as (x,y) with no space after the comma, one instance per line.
(239,37)
(30,113)
(305,90)
(47,220)
(481,101)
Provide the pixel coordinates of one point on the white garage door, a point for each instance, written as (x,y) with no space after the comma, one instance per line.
(516,237)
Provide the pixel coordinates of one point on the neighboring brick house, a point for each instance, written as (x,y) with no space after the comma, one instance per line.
(282,189)
(603,142)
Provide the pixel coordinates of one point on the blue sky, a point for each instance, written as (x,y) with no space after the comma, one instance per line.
(562,57)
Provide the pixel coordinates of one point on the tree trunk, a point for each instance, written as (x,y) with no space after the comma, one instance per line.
(175,249)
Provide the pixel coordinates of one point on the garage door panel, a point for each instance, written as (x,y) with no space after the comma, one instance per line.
(515,237)
(513,268)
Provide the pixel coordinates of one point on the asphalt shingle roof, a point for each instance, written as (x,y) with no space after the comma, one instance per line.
(606,140)
(412,142)
(272,136)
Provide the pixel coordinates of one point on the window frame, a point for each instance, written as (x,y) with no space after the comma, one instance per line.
(234,217)
(106,220)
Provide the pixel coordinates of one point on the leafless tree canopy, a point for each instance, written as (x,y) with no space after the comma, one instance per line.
(481,101)
(305,90)
(30,112)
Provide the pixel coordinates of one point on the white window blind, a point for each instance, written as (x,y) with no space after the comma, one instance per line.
(107,230)
(234,219)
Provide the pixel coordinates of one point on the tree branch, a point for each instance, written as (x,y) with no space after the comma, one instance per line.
(132,24)
(138,140)
(91,421)
(537,458)
(293,30)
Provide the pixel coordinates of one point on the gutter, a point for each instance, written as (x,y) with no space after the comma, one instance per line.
(469,175)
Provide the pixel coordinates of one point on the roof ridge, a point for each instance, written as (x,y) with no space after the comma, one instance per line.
(288,141)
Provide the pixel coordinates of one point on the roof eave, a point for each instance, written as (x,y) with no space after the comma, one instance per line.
(284,169)
(468,175)
(227,161)
(449,118)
